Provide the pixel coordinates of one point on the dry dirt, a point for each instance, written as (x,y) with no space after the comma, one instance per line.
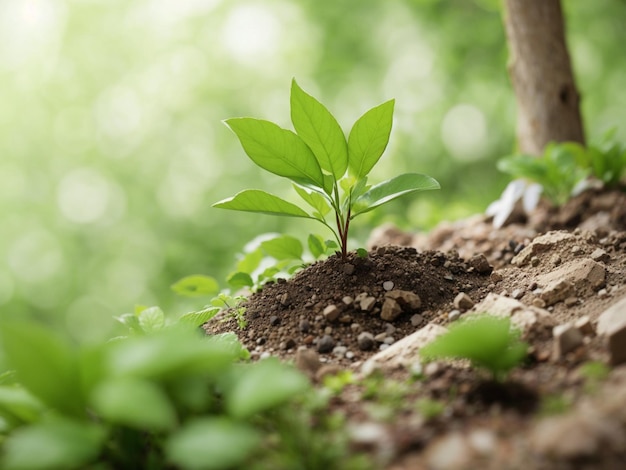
(554,268)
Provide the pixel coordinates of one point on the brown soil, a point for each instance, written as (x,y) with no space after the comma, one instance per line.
(326,307)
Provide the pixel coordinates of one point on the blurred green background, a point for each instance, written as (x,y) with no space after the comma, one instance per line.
(112,148)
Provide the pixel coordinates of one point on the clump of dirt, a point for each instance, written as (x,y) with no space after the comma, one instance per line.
(332,303)
(340,314)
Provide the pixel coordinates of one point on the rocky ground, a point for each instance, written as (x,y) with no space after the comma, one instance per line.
(561,277)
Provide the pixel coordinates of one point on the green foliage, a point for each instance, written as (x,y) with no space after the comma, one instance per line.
(146,320)
(486,340)
(594,373)
(563,166)
(167,396)
(329,173)
(279,256)
(429,408)
(196,285)
(606,159)
(557,170)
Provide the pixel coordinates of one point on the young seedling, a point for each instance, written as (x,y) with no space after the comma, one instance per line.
(486,340)
(327,171)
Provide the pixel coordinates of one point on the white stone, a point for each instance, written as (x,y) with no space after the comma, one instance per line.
(405,352)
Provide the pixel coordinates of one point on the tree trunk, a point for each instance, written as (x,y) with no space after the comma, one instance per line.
(541,72)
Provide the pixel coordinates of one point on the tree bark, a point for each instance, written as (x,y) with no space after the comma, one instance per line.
(541,73)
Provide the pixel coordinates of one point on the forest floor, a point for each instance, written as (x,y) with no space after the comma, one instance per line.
(560,274)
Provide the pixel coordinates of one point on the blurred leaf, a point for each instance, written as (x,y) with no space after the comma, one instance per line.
(486,340)
(131,321)
(238,280)
(315,200)
(200,317)
(319,129)
(250,261)
(317,247)
(133,402)
(392,189)
(196,285)
(45,363)
(368,138)
(151,319)
(284,247)
(262,386)
(171,353)
(53,444)
(19,405)
(277,150)
(212,444)
(254,200)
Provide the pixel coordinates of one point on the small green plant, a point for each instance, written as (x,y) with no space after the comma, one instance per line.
(557,170)
(429,408)
(147,320)
(554,404)
(278,256)
(594,373)
(486,340)
(327,171)
(164,398)
(564,167)
(233,307)
(605,159)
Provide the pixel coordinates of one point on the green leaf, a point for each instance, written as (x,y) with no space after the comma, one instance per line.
(263,386)
(392,189)
(131,321)
(368,139)
(18,405)
(170,353)
(277,150)
(315,200)
(486,340)
(46,364)
(151,319)
(200,317)
(283,247)
(212,444)
(134,402)
(238,280)
(255,200)
(56,443)
(196,285)
(318,128)
(250,261)
(317,247)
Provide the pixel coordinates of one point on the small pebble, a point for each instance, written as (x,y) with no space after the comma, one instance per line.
(365,341)
(380,337)
(325,344)
(389,329)
(383,346)
(517,294)
(454,315)
(274,320)
(388,285)
(304,326)
(417,320)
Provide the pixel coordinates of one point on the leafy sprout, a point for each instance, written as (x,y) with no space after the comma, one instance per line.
(328,172)
(486,340)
